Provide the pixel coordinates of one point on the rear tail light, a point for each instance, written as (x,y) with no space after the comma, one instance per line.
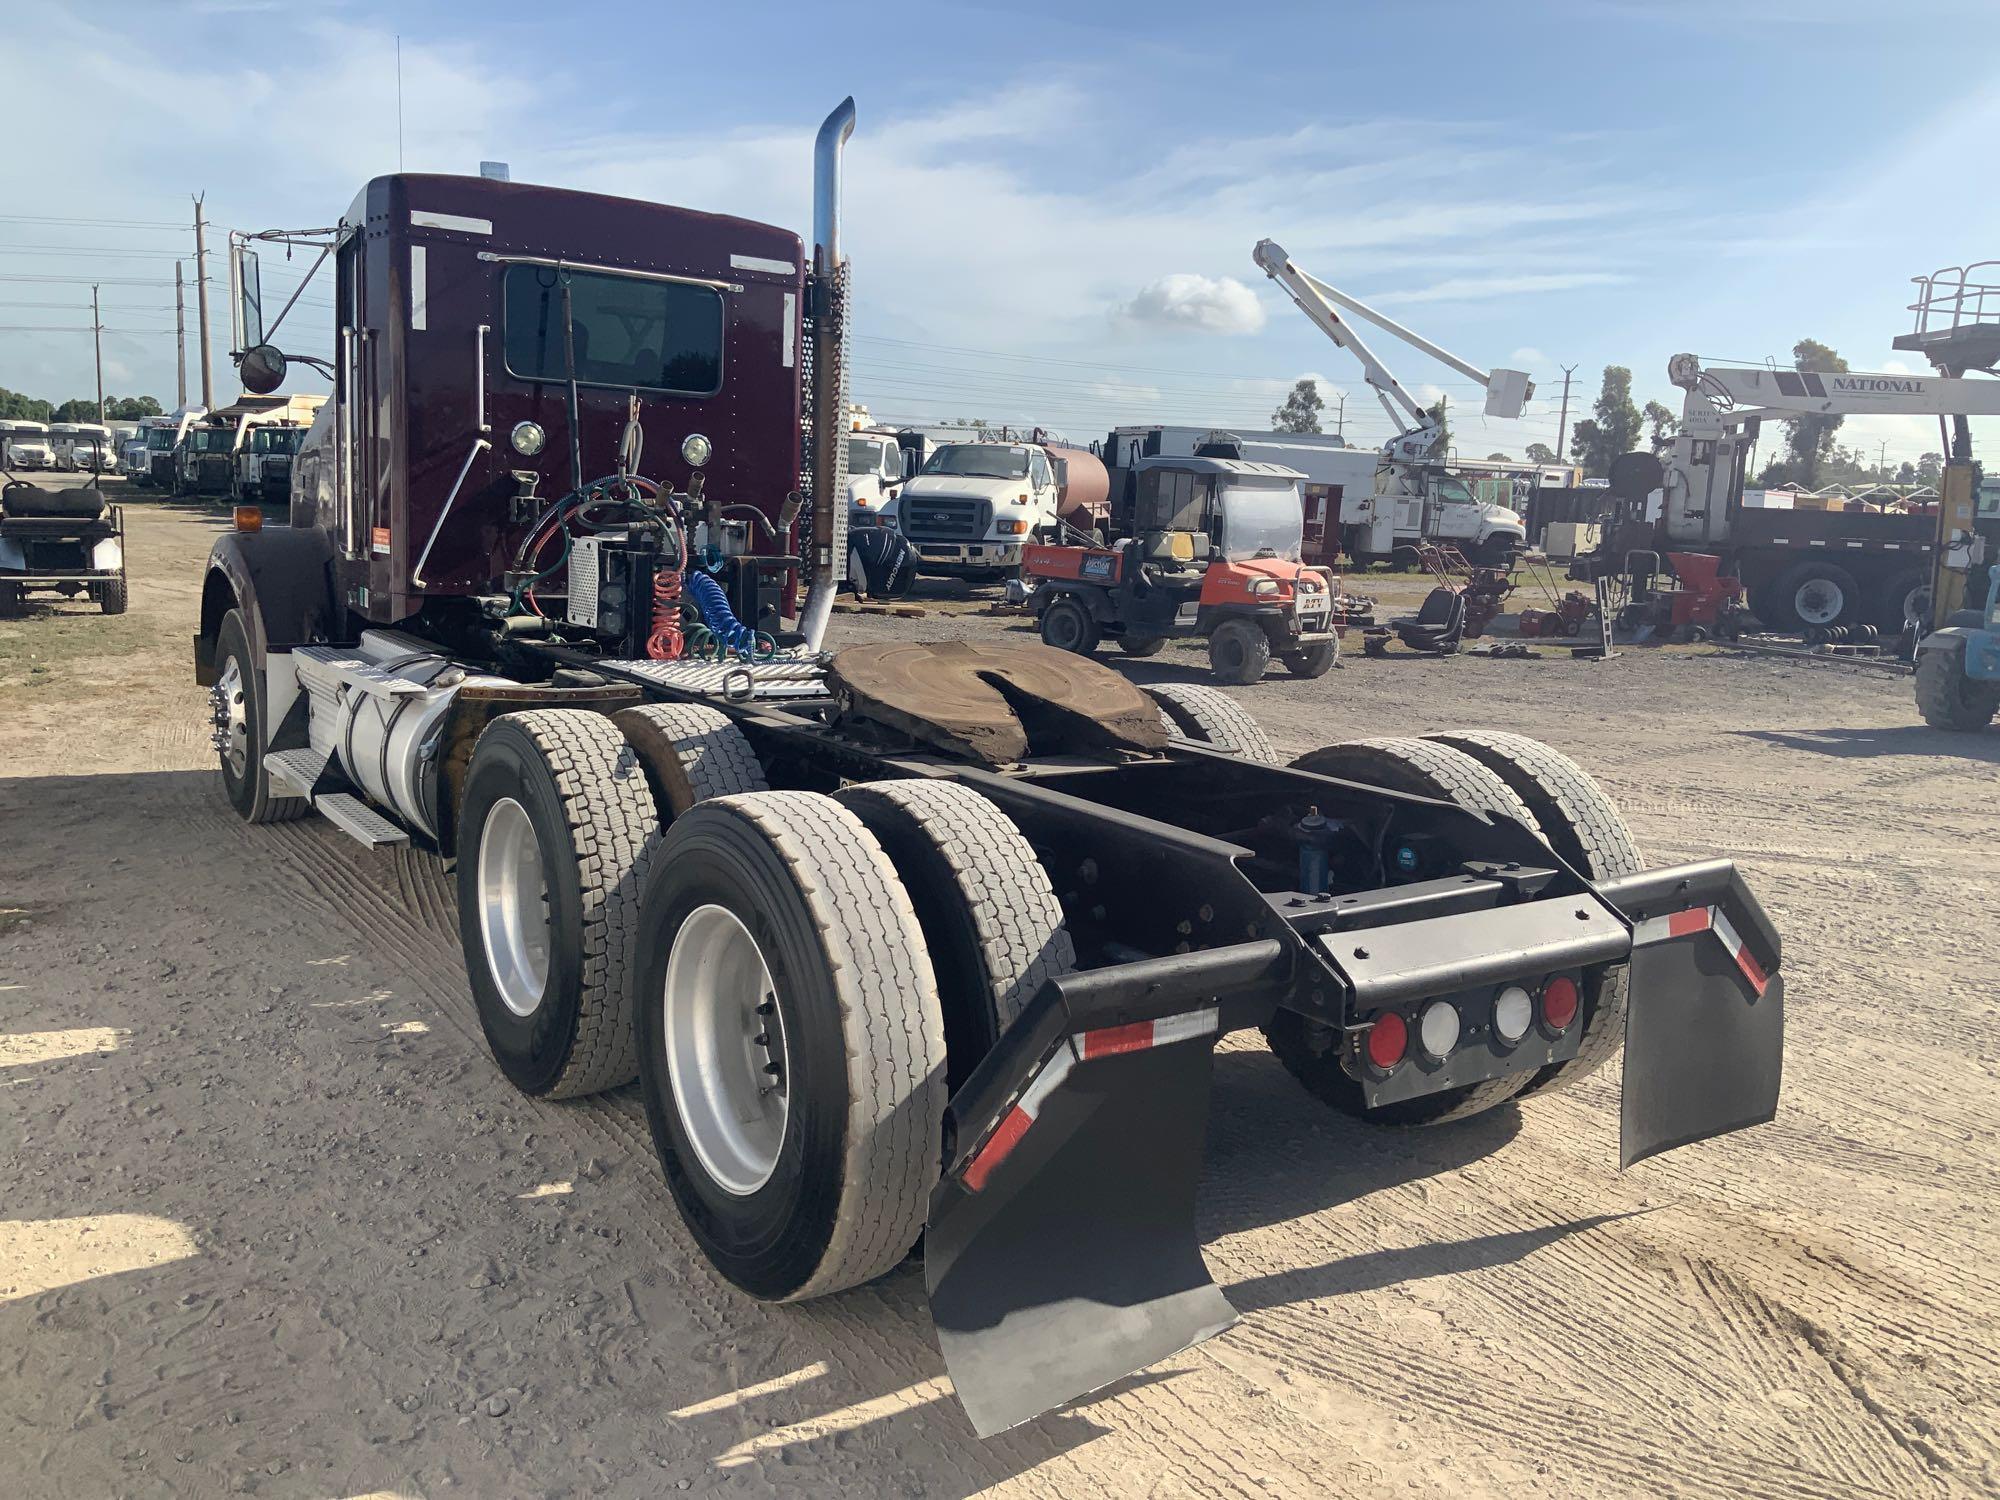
(1513,1014)
(1559,1003)
(1388,1040)
(1438,1027)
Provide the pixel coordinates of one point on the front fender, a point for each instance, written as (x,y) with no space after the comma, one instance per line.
(282,581)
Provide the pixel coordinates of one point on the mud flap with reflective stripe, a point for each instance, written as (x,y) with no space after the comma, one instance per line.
(1062,1255)
(1704,1026)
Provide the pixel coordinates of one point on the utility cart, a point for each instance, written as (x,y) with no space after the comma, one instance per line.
(61,541)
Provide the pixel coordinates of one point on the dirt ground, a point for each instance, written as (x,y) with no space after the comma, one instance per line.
(271,1222)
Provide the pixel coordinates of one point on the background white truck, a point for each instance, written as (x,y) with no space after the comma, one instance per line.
(973,506)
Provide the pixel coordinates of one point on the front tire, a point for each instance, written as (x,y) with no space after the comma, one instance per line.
(237,707)
(1141,645)
(1948,699)
(1239,651)
(1315,660)
(111,595)
(834,1185)
(555,834)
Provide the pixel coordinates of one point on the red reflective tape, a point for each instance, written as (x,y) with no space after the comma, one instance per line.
(1694,919)
(1006,1136)
(1107,1041)
(1752,971)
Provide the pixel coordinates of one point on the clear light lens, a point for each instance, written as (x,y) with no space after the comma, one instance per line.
(1011,528)
(1264,586)
(696,449)
(528,438)
(1513,1013)
(1438,1030)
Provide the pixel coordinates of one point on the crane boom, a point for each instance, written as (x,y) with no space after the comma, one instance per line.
(1733,397)
(1507,391)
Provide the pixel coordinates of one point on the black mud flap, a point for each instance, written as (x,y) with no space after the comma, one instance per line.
(1705,1022)
(1061,1254)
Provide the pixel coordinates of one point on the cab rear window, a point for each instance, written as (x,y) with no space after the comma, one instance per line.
(629,332)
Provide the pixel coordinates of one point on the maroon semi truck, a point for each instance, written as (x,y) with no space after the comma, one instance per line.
(908,944)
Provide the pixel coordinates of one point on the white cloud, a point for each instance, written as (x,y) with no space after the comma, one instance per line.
(1213,304)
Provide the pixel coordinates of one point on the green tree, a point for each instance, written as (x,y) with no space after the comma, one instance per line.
(1301,410)
(1541,453)
(1809,440)
(1437,410)
(1498,458)
(1613,426)
(1661,420)
(16,407)
(1930,468)
(1907,474)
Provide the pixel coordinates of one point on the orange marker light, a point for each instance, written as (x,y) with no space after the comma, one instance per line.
(249,518)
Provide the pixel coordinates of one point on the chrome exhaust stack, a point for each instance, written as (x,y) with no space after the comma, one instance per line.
(827,411)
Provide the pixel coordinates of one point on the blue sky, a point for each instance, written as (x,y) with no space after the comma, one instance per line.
(1051,208)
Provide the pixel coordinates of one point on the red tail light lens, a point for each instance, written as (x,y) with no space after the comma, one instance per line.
(1388,1040)
(1559,1003)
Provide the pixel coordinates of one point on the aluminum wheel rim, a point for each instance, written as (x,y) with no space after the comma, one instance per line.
(232,719)
(1819,601)
(514,907)
(725,1042)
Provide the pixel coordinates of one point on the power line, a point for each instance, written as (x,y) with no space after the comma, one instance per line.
(90,223)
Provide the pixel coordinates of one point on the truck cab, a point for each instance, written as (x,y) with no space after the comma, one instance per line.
(1428,504)
(202,460)
(81,447)
(261,468)
(974,506)
(874,475)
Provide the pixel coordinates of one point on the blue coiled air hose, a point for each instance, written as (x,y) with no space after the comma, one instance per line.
(716,614)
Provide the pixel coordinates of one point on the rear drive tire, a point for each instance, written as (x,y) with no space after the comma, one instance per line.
(991,920)
(1947,698)
(1239,652)
(841,1146)
(556,830)
(1200,713)
(1068,626)
(1425,769)
(236,703)
(1897,602)
(1314,661)
(1815,593)
(691,752)
(1581,823)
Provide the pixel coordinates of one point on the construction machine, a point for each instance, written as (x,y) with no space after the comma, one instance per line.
(1413,499)
(1215,553)
(911,942)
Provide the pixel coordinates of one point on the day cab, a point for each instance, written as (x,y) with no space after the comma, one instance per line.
(1216,553)
(974,506)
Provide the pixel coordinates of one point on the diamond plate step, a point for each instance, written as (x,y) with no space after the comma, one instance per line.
(293,772)
(359,821)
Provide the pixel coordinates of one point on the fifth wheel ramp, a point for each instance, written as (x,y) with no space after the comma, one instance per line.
(995,703)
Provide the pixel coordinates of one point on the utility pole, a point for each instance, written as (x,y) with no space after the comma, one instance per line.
(97,345)
(180,341)
(1340,421)
(1882,460)
(1562,422)
(201,304)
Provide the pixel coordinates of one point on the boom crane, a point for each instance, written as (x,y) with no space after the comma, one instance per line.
(1404,479)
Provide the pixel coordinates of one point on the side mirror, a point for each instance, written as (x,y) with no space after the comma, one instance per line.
(262,369)
(247,282)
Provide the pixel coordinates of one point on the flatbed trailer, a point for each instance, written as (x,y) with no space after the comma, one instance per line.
(908,944)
